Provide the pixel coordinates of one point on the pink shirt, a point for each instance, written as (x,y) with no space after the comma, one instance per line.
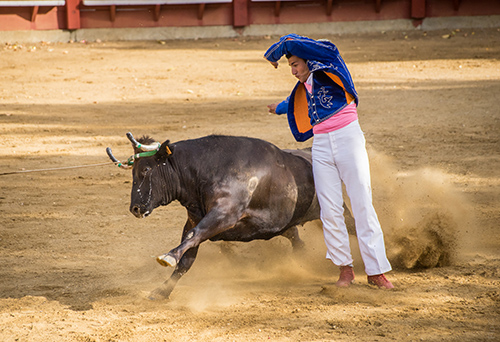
(338,121)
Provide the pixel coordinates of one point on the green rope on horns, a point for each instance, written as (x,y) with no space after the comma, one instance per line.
(130,160)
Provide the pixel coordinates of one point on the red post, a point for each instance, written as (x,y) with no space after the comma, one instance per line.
(34,12)
(73,14)
(417,9)
(240,13)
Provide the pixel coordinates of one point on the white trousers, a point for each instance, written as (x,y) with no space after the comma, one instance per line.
(340,156)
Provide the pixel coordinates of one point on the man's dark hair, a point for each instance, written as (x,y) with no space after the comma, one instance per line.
(288,55)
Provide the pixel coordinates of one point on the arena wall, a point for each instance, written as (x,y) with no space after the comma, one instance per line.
(138,19)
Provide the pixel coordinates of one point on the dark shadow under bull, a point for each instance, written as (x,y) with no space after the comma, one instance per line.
(233,188)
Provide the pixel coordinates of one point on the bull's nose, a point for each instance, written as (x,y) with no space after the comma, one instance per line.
(139,211)
(136,210)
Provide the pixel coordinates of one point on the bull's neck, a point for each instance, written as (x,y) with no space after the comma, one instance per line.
(178,178)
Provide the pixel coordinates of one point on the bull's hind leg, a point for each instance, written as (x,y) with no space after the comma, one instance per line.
(182,267)
(292,234)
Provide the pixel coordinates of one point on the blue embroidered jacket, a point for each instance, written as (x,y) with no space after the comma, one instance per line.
(333,88)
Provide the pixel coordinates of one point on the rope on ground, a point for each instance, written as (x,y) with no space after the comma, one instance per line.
(56,168)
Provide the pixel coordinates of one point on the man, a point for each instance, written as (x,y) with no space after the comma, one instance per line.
(323,104)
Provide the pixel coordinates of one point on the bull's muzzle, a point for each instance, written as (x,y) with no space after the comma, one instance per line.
(139,211)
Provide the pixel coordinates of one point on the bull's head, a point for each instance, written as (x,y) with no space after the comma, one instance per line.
(151,173)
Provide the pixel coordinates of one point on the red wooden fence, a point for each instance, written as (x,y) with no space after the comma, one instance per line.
(77,14)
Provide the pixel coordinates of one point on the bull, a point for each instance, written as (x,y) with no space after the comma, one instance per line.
(233,188)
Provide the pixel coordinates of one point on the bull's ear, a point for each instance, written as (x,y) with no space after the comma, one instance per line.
(165,150)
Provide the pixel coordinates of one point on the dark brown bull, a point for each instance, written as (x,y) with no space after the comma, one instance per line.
(233,188)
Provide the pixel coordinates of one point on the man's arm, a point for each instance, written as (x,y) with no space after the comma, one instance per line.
(303,47)
(278,107)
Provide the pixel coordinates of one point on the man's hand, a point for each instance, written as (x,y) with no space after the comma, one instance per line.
(272,107)
(274,64)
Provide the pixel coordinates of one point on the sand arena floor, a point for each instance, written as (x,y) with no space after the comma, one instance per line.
(77,266)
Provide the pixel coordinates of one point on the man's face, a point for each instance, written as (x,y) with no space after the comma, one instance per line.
(299,68)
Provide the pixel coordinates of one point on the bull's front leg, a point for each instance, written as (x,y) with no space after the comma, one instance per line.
(182,267)
(170,259)
(215,222)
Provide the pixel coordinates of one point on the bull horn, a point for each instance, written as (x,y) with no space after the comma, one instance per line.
(152,147)
(116,161)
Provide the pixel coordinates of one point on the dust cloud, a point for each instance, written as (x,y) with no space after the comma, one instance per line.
(425,218)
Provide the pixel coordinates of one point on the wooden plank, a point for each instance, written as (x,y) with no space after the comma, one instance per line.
(187,2)
(240,13)
(73,14)
(34,12)
(150,2)
(417,9)
(328,5)
(31,3)
(272,0)
(156,12)
(201,11)
(112,13)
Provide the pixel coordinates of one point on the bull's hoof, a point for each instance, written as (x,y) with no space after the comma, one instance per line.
(166,260)
(159,294)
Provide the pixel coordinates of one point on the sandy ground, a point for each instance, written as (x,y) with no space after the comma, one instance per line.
(77,266)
